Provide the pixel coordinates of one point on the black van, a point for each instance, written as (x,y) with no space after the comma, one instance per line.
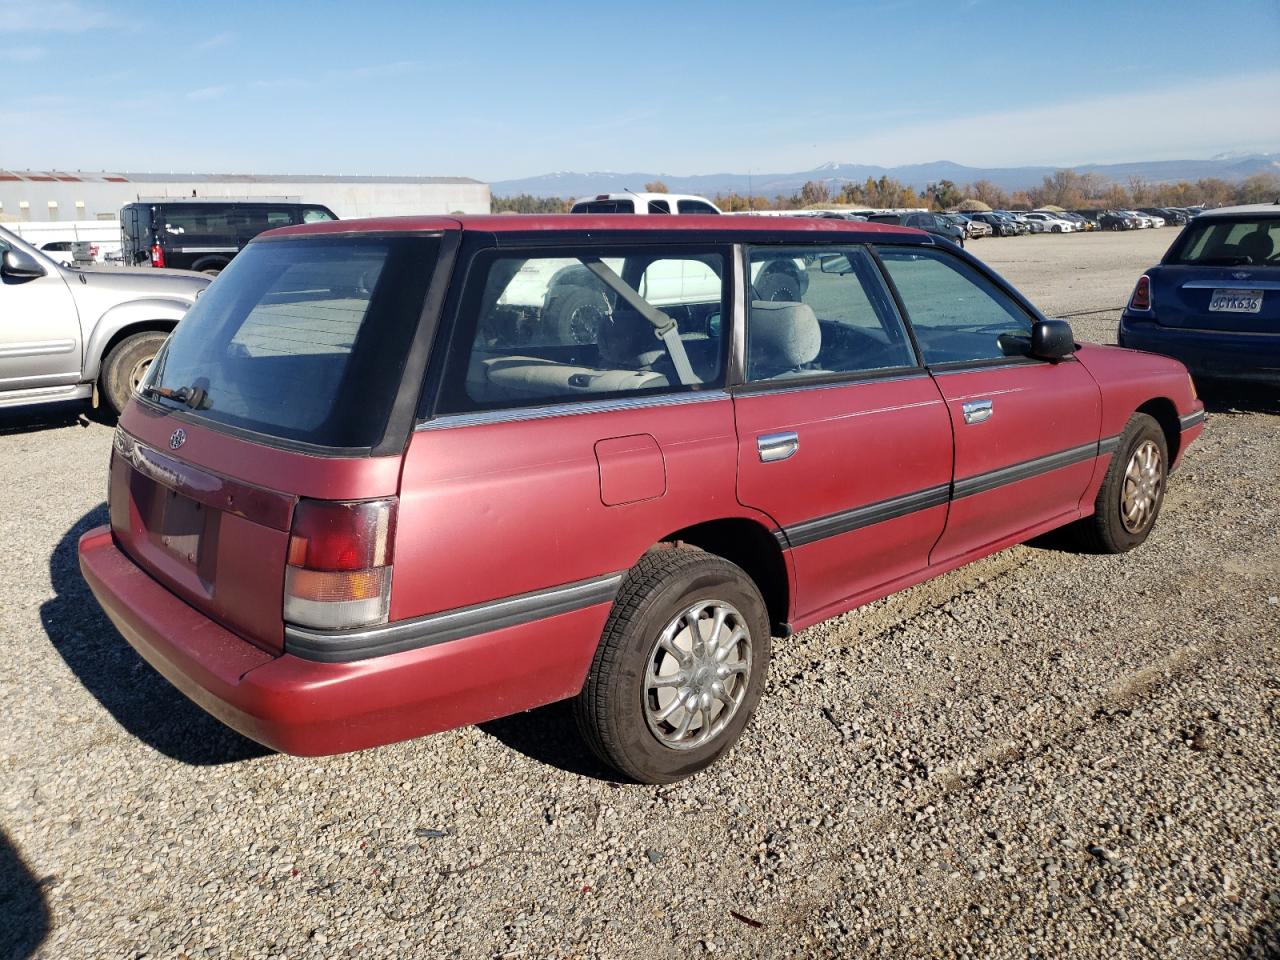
(203,234)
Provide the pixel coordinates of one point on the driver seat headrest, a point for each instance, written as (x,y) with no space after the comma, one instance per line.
(782,335)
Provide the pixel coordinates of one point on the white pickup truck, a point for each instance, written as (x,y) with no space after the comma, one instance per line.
(569,301)
(68,241)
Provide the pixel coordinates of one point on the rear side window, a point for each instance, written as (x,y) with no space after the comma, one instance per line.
(196,223)
(695,206)
(544,328)
(302,340)
(230,223)
(957,313)
(605,206)
(820,311)
(659,206)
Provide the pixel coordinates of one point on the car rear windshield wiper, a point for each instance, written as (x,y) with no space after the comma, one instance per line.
(197,398)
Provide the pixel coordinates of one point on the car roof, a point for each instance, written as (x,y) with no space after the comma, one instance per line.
(600,223)
(630,195)
(1247,209)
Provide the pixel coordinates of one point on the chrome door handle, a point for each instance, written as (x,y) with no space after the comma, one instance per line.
(976,411)
(777,446)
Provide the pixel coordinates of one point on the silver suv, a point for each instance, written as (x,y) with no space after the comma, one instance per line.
(68,333)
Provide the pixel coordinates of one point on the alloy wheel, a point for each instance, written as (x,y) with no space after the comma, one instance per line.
(697,675)
(1140,492)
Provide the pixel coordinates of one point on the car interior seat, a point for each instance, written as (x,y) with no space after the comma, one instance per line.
(1257,246)
(784,337)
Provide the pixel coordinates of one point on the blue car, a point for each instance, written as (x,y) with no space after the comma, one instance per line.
(1213,302)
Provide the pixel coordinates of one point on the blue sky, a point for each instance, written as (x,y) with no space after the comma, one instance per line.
(505,90)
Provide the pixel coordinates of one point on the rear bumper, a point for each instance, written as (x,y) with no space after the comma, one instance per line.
(1207,353)
(310,708)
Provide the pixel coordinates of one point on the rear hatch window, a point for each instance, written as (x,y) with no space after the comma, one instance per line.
(1229,242)
(301,340)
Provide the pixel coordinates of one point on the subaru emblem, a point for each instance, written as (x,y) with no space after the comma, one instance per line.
(178,439)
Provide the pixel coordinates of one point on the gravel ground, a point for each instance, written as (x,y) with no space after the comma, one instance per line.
(1042,754)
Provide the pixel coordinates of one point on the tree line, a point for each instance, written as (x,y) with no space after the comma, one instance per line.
(1064,188)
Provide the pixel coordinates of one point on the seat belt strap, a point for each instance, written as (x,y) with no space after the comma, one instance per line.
(663,325)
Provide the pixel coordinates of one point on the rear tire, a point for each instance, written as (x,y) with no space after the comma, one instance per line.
(1132,491)
(778,286)
(576,314)
(633,711)
(124,367)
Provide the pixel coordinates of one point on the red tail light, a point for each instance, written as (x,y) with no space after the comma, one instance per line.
(1141,299)
(339,563)
(157,255)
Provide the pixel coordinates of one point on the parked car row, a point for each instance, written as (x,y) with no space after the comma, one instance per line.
(1009,223)
(1143,219)
(938,224)
(957,226)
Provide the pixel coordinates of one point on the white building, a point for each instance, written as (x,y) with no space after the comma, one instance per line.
(33,195)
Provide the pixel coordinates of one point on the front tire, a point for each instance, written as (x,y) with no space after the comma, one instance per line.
(125,366)
(1132,491)
(680,666)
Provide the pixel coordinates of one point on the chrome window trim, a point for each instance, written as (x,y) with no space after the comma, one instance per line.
(1233,284)
(972,366)
(737,372)
(569,409)
(1174,331)
(756,387)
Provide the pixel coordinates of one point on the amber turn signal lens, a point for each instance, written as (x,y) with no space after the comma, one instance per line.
(326,586)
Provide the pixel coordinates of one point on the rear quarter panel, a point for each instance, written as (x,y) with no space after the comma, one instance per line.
(496,509)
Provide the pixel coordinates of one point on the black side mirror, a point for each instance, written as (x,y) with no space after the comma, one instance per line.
(1052,340)
(20,265)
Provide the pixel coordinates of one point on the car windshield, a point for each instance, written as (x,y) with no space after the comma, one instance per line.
(1229,241)
(300,339)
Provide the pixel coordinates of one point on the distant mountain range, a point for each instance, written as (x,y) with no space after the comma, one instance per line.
(1230,167)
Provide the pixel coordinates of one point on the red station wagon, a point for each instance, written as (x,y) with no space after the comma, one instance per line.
(389,477)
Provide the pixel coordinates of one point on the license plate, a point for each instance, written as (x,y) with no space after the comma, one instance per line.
(1236,301)
(181,525)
